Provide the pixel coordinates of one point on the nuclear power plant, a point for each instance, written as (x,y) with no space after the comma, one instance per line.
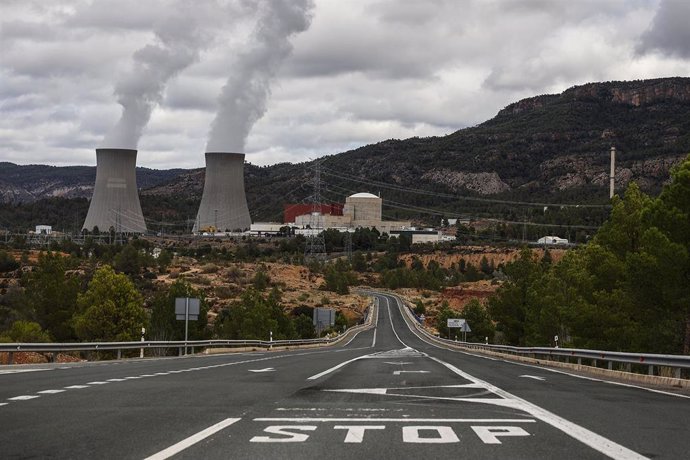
(115,201)
(223,204)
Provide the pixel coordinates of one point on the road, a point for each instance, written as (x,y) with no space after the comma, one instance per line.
(384,393)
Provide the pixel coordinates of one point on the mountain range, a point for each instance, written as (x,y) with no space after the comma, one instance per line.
(549,148)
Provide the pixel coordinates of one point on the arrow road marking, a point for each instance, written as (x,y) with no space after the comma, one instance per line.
(533,377)
(268,369)
(410,372)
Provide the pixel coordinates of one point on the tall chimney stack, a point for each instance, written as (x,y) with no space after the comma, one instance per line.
(115,200)
(612,176)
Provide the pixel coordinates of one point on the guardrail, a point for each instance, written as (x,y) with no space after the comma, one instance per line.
(650,360)
(182,345)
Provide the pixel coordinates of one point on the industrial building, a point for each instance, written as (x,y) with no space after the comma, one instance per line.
(115,200)
(292,210)
(223,203)
(360,210)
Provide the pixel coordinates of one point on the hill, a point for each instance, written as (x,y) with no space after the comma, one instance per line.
(549,148)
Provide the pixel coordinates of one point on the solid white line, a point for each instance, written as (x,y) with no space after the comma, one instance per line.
(23,398)
(17,371)
(335,368)
(50,392)
(373,343)
(190,441)
(394,420)
(589,438)
(390,320)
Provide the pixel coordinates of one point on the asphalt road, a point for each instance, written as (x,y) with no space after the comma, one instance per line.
(386,393)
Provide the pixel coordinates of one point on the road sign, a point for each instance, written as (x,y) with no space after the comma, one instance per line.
(181,308)
(455,322)
(460,323)
(186,308)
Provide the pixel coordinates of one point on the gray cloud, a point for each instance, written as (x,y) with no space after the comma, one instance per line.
(364,71)
(670,32)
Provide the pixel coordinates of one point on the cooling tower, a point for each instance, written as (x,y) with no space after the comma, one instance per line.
(223,204)
(115,201)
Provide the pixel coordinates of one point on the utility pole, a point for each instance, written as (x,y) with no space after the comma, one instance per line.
(612,175)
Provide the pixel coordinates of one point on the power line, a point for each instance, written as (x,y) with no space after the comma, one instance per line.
(457,197)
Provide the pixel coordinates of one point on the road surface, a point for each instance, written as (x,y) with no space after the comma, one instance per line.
(384,393)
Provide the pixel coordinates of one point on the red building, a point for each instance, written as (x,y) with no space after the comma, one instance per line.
(290,211)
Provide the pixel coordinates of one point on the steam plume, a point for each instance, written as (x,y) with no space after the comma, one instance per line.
(243,98)
(179,38)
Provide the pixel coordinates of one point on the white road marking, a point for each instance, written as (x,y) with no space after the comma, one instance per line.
(116,380)
(268,369)
(373,343)
(96,383)
(370,391)
(409,372)
(50,392)
(490,434)
(355,433)
(446,435)
(394,420)
(585,436)
(76,387)
(3,404)
(401,363)
(533,377)
(335,368)
(19,371)
(282,431)
(23,398)
(190,441)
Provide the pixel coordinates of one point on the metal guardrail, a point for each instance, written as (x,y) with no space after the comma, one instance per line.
(676,362)
(182,345)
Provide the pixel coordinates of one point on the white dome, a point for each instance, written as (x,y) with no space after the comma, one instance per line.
(363,195)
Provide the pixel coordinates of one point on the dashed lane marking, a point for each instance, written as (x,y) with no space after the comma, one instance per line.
(23,398)
(50,392)
(76,387)
(97,383)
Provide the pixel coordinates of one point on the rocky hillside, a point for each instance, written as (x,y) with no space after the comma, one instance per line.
(21,184)
(550,147)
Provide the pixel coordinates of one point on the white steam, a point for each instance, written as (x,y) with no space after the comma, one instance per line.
(179,38)
(243,98)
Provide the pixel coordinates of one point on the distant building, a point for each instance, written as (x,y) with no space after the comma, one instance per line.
(552,240)
(44,229)
(427,235)
(291,211)
(360,210)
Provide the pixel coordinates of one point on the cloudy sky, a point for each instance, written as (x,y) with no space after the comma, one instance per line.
(322,78)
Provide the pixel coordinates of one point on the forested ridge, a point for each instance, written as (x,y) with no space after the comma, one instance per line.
(549,148)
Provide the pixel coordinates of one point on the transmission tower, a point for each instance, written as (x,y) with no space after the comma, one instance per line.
(316,245)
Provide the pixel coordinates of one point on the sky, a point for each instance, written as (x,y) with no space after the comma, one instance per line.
(293,80)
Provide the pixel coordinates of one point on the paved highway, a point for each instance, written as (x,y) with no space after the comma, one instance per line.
(385,393)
